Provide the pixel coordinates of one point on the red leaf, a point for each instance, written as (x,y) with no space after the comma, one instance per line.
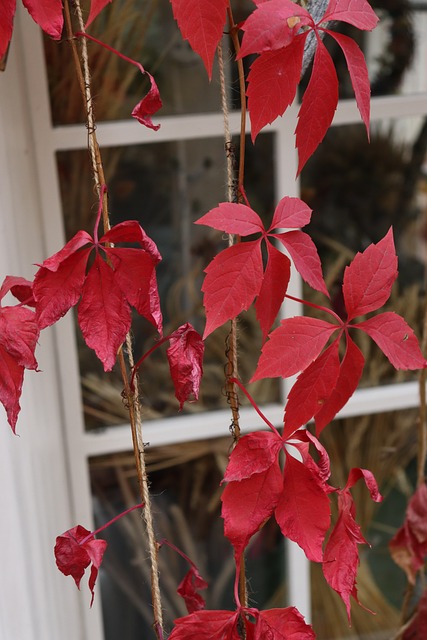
(136,277)
(11,378)
(201,22)
(19,334)
(396,339)
(272,83)
(358,74)
(273,25)
(59,290)
(209,625)
(273,288)
(312,389)
(369,278)
(341,553)
(96,6)
(233,279)
(149,105)
(303,511)
(323,468)
(305,257)
(350,373)
(357,474)
(48,15)
(253,453)
(233,218)
(408,547)
(188,587)
(292,347)
(7,13)
(104,315)
(78,241)
(131,231)
(318,105)
(356,12)
(19,287)
(247,505)
(185,356)
(290,213)
(282,624)
(75,550)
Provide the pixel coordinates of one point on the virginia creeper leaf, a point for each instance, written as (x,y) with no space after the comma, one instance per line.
(201,22)
(232,281)
(273,25)
(358,74)
(395,339)
(290,213)
(11,379)
(359,13)
(341,553)
(7,13)
(149,105)
(350,373)
(272,84)
(185,356)
(357,474)
(318,105)
(369,278)
(104,315)
(19,333)
(247,505)
(312,389)
(323,467)
(188,589)
(207,625)
(19,287)
(305,257)
(96,6)
(282,624)
(48,15)
(233,218)
(273,289)
(303,511)
(107,290)
(292,347)
(408,547)
(253,453)
(75,550)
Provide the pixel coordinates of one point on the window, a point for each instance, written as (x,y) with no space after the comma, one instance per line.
(186,155)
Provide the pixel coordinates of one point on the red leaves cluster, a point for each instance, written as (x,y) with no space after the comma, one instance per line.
(118,279)
(409,545)
(298,497)
(236,275)
(19,333)
(277,30)
(326,383)
(274,624)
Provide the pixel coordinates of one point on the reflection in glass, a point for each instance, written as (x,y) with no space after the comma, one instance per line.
(386,444)
(358,190)
(186,496)
(166,187)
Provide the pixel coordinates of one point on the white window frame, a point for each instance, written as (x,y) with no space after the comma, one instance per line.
(52,458)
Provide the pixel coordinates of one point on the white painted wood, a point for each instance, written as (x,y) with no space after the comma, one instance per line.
(36,601)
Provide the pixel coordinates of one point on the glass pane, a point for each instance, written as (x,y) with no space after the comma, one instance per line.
(151,37)
(186,495)
(358,190)
(166,187)
(386,445)
(395,50)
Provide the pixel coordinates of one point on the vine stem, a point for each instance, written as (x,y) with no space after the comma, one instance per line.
(131,396)
(231,370)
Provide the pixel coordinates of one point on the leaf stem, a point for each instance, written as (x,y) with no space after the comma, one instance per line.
(107,524)
(255,406)
(178,551)
(143,357)
(83,34)
(103,191)
(316,306)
